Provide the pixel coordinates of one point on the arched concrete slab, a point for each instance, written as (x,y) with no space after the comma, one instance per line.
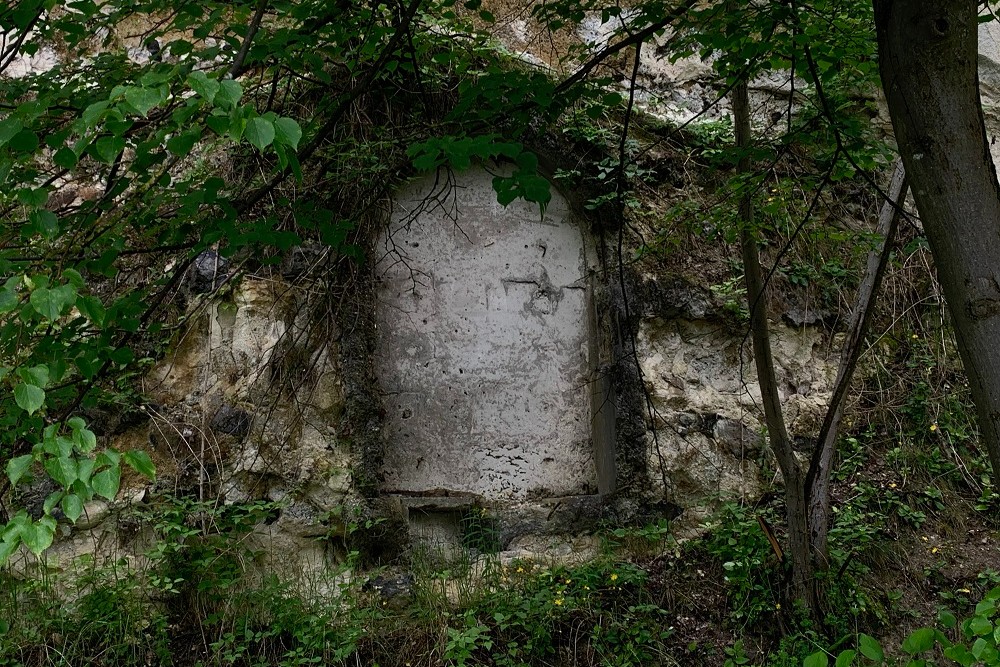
(483,347)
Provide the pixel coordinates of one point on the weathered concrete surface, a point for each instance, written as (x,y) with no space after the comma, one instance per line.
(483,344)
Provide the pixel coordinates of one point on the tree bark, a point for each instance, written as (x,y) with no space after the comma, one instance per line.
(821,464)
(796,511)
(928,52)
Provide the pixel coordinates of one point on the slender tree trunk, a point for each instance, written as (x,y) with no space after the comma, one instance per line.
(928,51)
(795,499)
(821,465)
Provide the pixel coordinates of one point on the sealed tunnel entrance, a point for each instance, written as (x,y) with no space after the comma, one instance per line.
(485,349)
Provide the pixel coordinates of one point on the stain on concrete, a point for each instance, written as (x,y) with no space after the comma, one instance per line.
(483,344)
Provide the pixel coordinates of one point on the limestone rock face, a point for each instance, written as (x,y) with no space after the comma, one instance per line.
(707,436)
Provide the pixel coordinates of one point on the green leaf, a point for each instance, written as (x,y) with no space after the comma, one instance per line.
(24,141)
(260,132)
(947,619)
(38,536)
(72,506)
(143,99)
(45,223)
(122,356)
(979,625)
(107,148)
(86,440)
(51,501)
(817,659)
(65,158)
(919,641)
(141,463)
(17,466)
(870,648)
(960,654)
(8,300)
(106,482)
(288,132)
(8,547)
(36,375)
(846,658)
(229,94)
(29,397)
(33,196)
(92,308)
(85,467)
(204,86)
(182,144)
(9,127)
(62,469)
(47,302)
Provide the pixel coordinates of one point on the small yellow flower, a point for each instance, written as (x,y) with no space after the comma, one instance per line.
(520,570)
(892,485)
(614,577)
(923,537)
(586,588)
(777,606)
(964,590)
(914,336)
(934,550)
(558,602)
(569,581)
(933,427)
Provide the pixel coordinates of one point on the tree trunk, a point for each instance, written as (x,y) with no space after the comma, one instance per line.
(928,52)
(821,465)
(795,499)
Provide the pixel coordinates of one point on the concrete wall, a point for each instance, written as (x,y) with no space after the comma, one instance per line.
(483,344)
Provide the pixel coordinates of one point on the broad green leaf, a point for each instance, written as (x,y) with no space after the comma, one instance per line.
(17,466)
(93,113)
(143,99)
(62,469)
(817,659)
(260,132)
(182,144)
(978,625)
(8,547)
(47,302)
(229,94)
(24,141)
(960,654)
(36,375)
(8,300)
(65,158)
(288,132)
(86,440)
(72,506)
(141,463)
(51,501)
(919,641)
(846,658)
(108,147)
(870,648)
(947,619)
(45,223)
(106,482)
(84,468)
(29,397)
(38,537)
(9,127)
(33,196)
(123,356)
(92,308)
(204,86)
